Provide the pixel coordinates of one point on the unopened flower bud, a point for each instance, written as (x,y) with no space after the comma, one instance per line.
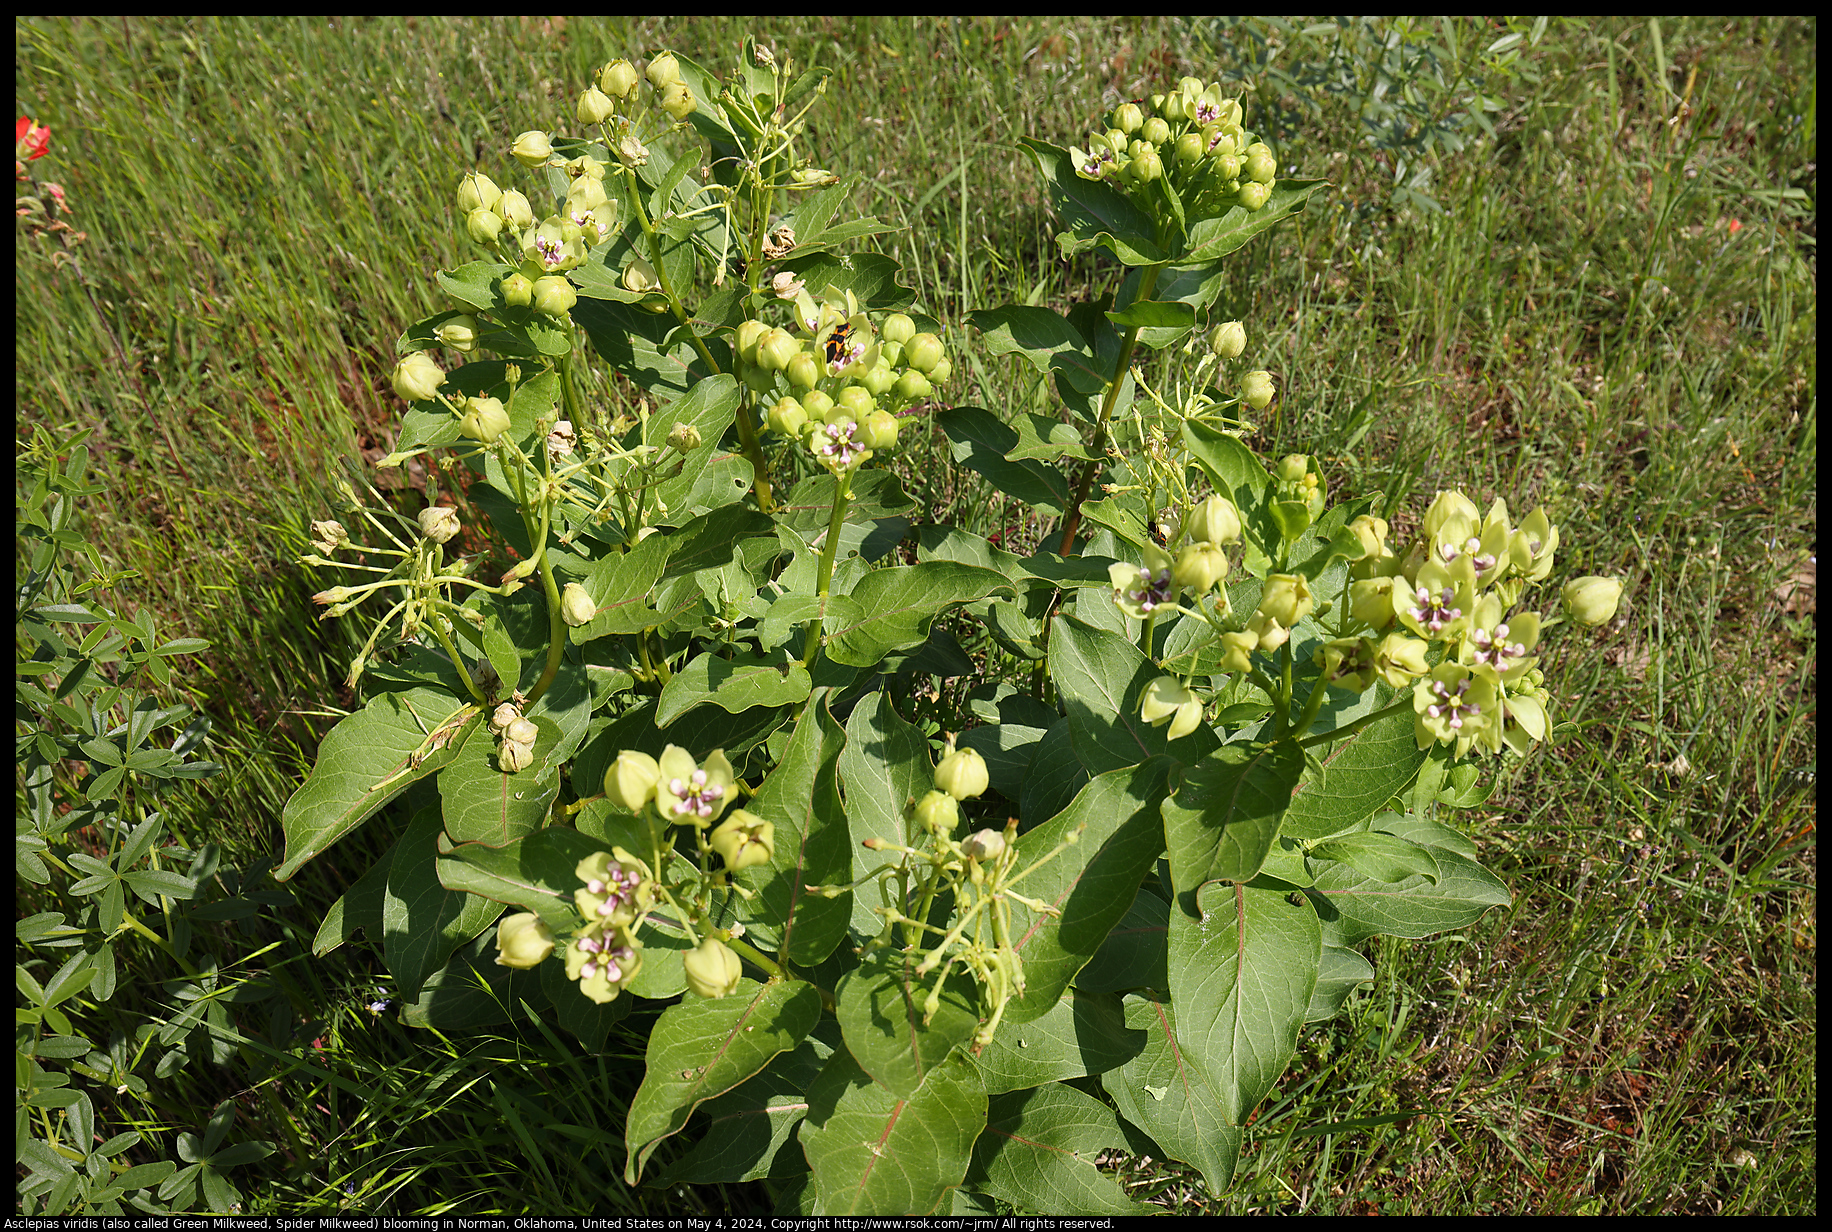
(477,192)
(662,70)
(532,149)
(987,844)
(683,438)
(877,430)
(938,813)
(803,371)
(595,106)
(1256,389)
(787,417)
(1146,166)
(577,608)
(912,387)
(484,419)
(523,941)
(554,296)
(1200,565)
(618,79)
(515,756)
(1591,601)
(1286,598)
(775,349)
(712,970)
(1253,196)
(922,352)
(1215,520)
(678,100)
(418,377)
(962,774)
(630,781)
(518,291)
(639,277)
(439,523)
(459,333)
(1229,339)
(1154,131)
(1260,166)
(522,731)
(1128,118)
(483,226)
(897,327)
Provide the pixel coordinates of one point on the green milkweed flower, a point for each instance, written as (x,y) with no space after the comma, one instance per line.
(743,839)
(712,969)
(617,888)
(1166,699)
(692,794)
(523,941)
(1141,590)
(603,960)
(1453,704)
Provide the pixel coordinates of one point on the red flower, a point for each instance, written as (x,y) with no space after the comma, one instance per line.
(1735,226)
(31,139)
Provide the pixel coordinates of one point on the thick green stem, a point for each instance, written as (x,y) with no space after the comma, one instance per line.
(824,576)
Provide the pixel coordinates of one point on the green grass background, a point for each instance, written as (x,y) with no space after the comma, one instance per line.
(1608,306)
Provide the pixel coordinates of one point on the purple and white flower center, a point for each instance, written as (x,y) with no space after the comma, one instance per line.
(695,795)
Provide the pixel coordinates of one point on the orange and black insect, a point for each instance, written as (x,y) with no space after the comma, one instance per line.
(836,342)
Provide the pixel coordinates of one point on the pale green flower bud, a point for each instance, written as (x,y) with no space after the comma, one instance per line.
(595,107)
(477,192)
(1256,389)
(532,149)
(1591,601)
(683,438)
(678,100)
(586,194)
(856,401)
(1199,567)
(577,607)
(663,70)
(417,377)
(803,371)
(518,291)
(618,79)
(985,844)
(515,755)
(522,731)
(459,333)
(775,349)
(554,296)
(1146,166)
(923,352)
(877,430)
(787,417)
(1229,339)
(712,969)
(483,226)
(523,941)
(1154,131)
(439,523)
(1286,599)
(1400,659)
(1259,165)
(898,327)
(1128,118)
(912,387)
(630,782)
(743,839)
(639,277)
(484,419)
(1371,602)
(1237,652)
(938,813)
(1253,196)
(1268,633)
(1215,520)
(962,774)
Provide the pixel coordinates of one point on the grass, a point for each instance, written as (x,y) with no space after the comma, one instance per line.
(1608,307)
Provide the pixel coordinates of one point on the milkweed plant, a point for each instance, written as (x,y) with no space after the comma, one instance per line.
(1212,733)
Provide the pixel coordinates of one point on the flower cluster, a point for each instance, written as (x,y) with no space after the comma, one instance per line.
(604,954)
(1190,138)
(846,382)
(515,738)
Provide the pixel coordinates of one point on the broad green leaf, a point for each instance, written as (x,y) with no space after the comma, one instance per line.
(1232,467)
(1055,776)
(1339,973)
(1156,315)
(1361,773)
(483,803)
(1047,438)
(1008,749)
(422,921)
(1427,833)
(1102,679)
(1225,815)
(711,476)
(1038,1153)
(898,604)
(643,346)
(883,1004)
(747,1126)
(1381,857)
(871,277)
(1210,238)
(476,283)
(367,760)
(733,684)
(1047,340)
(980,442)
(1240,978)
(1170,1097)
(701,1047)
(360,907)
(1132,956)
(1083,1034)
(801,798)
(874,495)
(1090,882)
(622,587)
(538,873)
(884,768)
(471,991)
(871,1153)
(1094,212)
(1354,906)
(712,540)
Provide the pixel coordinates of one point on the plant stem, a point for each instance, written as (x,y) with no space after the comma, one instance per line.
(824,576)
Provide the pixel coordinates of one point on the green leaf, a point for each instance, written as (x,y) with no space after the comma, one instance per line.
(367,760)
(1094,212)
(733,684)
(980,442)
(1084,1033)
(538,873)
(882,1006)
(875,495)
(1047,340)
(422,921)
(801,798)
(483,803)
(1167,1095)
(1240,978)
(884,768)
(1381,857)
(472,991)
(1055,776)
(1102,678)
(747,1126)
(872,1153)
(1132,956)
(1354,906)
(1225,815)
(701,1047)
(643,346)
(710,475)
(1339,973)
(1216,237)
(1038,1153)
(898,604)
(1090,882)
(1361,773)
